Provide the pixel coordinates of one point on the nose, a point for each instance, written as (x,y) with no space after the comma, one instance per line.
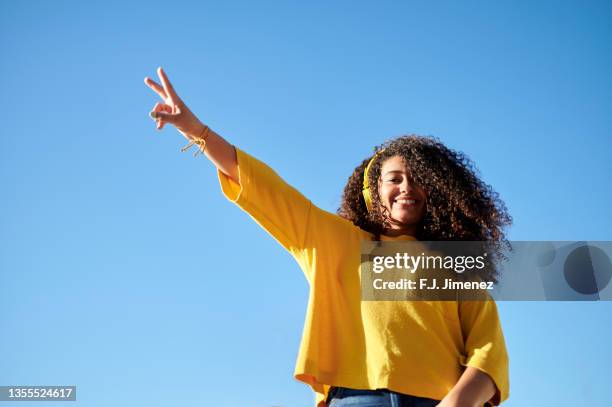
(407,186)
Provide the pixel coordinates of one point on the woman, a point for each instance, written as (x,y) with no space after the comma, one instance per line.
(373,353)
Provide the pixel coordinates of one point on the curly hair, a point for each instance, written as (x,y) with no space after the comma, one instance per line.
(460,206)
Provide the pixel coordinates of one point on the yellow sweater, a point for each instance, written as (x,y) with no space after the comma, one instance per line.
(412,347)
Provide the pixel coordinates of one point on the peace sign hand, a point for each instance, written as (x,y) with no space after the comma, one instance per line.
(173,110)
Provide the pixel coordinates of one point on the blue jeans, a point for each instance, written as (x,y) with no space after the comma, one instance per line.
(345,397)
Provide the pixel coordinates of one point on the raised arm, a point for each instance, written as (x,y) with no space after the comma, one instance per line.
(173,111)
(284,212)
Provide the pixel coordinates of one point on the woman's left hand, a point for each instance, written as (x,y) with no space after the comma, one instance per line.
(453,400)
(473,389)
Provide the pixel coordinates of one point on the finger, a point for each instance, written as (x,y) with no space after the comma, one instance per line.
(167,85)
(159,107)
(164,116)
(153,113)
(162,107)
(157,88)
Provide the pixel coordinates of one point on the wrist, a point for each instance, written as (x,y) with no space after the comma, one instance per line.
(197,131)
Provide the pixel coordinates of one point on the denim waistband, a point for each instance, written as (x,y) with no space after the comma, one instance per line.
(343,392)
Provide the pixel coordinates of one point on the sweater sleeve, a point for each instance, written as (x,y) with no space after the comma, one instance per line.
(275,205)
(485,347)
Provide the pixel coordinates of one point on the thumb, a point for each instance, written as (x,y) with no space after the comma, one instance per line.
(165,116)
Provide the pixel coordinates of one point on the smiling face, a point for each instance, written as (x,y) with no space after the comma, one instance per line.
(404,199)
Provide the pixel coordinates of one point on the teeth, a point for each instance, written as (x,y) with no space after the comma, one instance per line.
(406,201)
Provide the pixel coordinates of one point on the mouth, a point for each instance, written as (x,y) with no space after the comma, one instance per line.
(405,201)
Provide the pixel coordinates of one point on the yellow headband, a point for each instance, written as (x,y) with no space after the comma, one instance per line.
(367,196)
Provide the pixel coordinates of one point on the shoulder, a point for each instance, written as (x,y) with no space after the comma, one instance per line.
(328,225)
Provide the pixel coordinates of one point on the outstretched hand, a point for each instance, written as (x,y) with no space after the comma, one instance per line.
(173,110)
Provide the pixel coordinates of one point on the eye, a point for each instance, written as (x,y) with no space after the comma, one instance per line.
(394,180)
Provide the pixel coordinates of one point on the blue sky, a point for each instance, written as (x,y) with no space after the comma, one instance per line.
(125,272)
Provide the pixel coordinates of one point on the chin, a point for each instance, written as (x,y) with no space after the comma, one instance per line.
(406,220)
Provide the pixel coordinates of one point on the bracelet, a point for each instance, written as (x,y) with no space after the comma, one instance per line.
(200,141)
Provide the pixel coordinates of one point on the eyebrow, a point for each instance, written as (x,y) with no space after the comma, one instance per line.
(393,172)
